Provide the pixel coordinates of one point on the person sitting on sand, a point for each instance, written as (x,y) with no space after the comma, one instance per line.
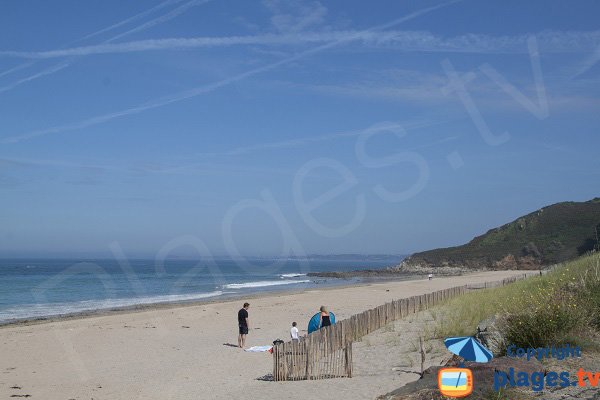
(294,332)
(243,324)
(430,276)
(325,319)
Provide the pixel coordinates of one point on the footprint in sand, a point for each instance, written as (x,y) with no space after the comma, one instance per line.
(18,395)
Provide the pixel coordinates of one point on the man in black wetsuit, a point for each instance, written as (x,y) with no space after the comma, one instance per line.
(243,325)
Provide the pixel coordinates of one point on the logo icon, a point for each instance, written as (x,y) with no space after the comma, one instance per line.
(455,382)
(458,382)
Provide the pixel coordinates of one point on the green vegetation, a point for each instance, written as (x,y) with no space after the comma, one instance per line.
(559,307)
(551,235)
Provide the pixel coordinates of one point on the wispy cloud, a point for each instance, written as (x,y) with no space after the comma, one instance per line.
(295,16)
(418,86)
(549,41)
(396,84)
(163,101)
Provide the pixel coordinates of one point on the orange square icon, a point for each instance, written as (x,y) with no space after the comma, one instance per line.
(455,382)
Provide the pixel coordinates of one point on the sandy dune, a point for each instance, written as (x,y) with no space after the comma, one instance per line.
(185,352)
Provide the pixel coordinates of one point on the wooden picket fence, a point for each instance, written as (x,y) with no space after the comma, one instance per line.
(503,282)
(327,353)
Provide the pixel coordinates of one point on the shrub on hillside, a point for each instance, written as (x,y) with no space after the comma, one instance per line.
(564,302)
(590,295)
(547,319)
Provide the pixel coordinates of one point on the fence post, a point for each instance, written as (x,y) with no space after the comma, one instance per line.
(308,356)
(348,359)
(275,366)
(422,348)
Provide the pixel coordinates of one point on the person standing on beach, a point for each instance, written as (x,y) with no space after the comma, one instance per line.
(294,332)
(243,324)
(325,318)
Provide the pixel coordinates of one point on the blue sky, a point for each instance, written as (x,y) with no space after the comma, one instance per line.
(275,127)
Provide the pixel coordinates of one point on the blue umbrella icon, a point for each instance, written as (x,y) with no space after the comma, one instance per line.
(468,348)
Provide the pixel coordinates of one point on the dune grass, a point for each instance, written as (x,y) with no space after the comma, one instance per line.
(538,311)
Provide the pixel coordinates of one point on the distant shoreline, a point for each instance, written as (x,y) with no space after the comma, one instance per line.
(389,273)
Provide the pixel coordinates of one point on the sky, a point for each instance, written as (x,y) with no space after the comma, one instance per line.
(278,128)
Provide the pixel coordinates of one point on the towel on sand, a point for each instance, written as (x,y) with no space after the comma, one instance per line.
(259,349)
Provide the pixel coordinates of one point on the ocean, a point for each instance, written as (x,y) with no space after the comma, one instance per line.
(40,288)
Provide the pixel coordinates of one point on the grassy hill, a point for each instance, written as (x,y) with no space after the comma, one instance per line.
(550,235)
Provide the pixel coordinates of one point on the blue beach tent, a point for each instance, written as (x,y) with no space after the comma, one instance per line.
(315,322)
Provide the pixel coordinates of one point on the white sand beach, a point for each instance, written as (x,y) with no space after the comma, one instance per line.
(186,352)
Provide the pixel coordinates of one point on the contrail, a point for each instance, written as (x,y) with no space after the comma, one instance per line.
(131,19)
(589,62)
(159,20)
(16,68)
(45,72)
(180,43)
(107,29)
(286,144)
(417,124)
(408,40)
(163,101)
(156,21)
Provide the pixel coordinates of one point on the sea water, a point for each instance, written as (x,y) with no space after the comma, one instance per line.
(39,288)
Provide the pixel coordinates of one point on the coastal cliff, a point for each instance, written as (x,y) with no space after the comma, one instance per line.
(550,235)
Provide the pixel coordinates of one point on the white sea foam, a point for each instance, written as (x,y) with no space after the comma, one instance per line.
(283,276)
(55,309)
(261,284)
